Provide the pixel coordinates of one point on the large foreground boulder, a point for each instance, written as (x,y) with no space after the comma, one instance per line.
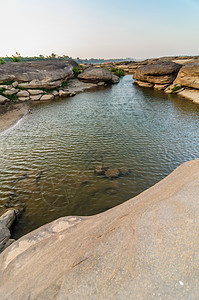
(158,73)
(146,248)
(96,75)
(46,74)
(189,76)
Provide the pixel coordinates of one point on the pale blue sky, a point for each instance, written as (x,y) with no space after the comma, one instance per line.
(105,28)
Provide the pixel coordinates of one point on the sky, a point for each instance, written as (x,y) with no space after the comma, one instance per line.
(100,29)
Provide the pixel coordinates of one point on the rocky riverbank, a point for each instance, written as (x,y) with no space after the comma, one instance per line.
(29,82)
(173,77)
(146,248)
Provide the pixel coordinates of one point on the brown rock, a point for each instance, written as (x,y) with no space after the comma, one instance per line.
(112,173)
(23,93)
(158,73)
(147,245)
(96,75)
(47,97)
(100,170)
(188,76)
(3,99)
(10,92)
(35,92)
(160,87)
(35,97)
(144,84)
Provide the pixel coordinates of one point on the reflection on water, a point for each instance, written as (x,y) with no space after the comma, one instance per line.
(47,163)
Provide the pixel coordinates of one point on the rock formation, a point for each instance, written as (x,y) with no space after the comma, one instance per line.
(96,75)
(146,248)
(162,73)
(188,76)
(6,221)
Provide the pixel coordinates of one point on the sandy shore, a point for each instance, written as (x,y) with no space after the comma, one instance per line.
(10,117)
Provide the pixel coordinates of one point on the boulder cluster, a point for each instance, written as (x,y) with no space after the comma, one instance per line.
(111,173)
(171,77)
(46,80)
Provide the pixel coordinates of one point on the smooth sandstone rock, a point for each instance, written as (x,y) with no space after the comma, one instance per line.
(160,87)
(188,76)
(24,98)
(23,93)
(15,84)
(96,75)
(3,99)
(35,97)
(35,92)
(190,94)
(145,248)
(38,74)
(157,73)
(10,92)
(63,93)
(47,97)
(6,221)
(144,84)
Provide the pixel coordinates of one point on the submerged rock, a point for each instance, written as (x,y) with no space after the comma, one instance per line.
(147,245)
(112,173)
(100,170)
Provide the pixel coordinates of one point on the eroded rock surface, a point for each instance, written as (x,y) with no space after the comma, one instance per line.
(158,73)
(96,75)
(188,76)
(146,248)
(6,221)
(47,74)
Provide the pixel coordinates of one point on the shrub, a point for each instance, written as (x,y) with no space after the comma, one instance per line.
(175,88)
(2,61)
(64,84)
(77,70)
(16,58)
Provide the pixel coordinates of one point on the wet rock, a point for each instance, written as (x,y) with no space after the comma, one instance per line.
(112,173)
(100,170)
(124,171)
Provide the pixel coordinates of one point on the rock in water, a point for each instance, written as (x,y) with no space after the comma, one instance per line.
(158,73)
(112,173)
(6,221)
(100,170)
(145,248)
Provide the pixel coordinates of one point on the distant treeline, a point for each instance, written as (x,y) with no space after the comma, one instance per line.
(18,57)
